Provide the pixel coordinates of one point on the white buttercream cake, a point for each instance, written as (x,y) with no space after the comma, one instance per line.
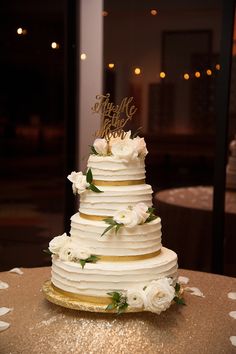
(114,253)
(231,166)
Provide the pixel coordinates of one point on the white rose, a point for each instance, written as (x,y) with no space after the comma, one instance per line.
(141,210)
(84,254)
(79,183)
(69,252)
(140,146)
(101,146)
(159,295)
(135,298)
(127,217)
(124,150)
(57,243)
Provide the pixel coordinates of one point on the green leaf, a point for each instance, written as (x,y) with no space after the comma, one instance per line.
(110,221)
(177,287)
(93,188)
(82,262)
(48,251)
(136,133)
(117,227)
(89,176)
(151,210)
(107,229)
(111,307)
(179,300)
(151,218)
(93,151)
(122,308)
(92,259)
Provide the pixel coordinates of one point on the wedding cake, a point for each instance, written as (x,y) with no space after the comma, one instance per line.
(231,166)
(113,259)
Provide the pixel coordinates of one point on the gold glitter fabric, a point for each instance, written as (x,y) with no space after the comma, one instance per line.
(38,326)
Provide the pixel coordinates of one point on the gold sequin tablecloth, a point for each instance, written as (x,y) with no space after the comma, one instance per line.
(40,327)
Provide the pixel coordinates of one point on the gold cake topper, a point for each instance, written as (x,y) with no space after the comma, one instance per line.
(113,117)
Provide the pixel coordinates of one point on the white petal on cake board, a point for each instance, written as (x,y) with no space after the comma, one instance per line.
(233,340)
(183,280)
(4,325)
(3,285)
(194,291)
(232,295)
(16,270)
(4,310)
(233,314)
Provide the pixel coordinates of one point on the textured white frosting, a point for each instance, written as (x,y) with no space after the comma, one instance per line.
(107,168)
(102,277)
(113,198)
(142,239)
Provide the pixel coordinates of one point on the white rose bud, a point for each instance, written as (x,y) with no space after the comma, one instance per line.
(159,295)
(127,217)
(140,146)
(141,210)
(124,150)
(69,251)
(101,146)
(79,183)
(135,298)
(57,243)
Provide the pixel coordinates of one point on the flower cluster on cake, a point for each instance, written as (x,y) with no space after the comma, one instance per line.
(113,257)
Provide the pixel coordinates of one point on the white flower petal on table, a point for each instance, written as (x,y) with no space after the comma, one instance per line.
(4,310)
(233,314)
(194,291)
(4,325)
(16,270)
(233,340)
(232,295)
(3,285)
(183,280)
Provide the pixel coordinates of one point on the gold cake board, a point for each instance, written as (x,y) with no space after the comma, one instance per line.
(58,298)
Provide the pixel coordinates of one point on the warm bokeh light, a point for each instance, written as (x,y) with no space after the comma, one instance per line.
(208,72)
(104,13)
(111,65)
(186,76)
(153,12)
(83,56)
(162,75)
(21,31)
(217,66)
(137,71)
(55,45)
(197,74)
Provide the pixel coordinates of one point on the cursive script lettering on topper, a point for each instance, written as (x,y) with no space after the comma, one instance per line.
(113,117)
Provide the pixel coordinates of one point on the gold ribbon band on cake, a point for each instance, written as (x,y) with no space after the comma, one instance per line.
(94,217)
(100,300)
(137,257)
(118,183)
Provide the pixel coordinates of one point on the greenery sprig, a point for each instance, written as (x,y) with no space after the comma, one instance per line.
(136,133)
(119,302)
(48,251)
(178,298)
(112,224)
(115,225)
(89,179)
(90,259)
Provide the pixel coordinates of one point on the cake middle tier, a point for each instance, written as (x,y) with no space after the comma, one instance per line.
(114,198)
(140,240)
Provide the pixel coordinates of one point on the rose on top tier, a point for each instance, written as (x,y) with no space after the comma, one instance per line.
(126,149)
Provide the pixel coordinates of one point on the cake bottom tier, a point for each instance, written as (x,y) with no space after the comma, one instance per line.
(97,279)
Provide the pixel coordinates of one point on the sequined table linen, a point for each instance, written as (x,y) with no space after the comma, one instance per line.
(40,327)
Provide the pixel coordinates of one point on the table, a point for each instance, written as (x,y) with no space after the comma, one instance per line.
(39,327)
(186,215)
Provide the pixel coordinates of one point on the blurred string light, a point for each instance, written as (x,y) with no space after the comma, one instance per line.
(153,12)
(137,71)
(208,72)
(111,65)
(217,66)
(55,45)
(162,74)
(83,56)
(21,31)
(197,74)
(186,76)
(104,13)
